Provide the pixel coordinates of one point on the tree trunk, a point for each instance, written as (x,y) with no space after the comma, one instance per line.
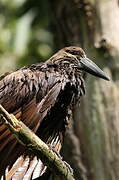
(93,141)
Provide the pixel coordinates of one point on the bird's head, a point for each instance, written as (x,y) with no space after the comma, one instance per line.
(77,57)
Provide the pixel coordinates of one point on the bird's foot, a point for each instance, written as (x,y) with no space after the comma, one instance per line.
(58,154)
(54,150)
(69,167)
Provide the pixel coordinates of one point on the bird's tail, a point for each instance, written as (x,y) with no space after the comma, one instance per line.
(30,168)
(25,168)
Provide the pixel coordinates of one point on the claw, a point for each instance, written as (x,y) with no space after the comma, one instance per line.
(69,167)
(58,154)
(53,149)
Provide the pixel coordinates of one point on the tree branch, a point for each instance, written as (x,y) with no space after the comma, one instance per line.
(36,146)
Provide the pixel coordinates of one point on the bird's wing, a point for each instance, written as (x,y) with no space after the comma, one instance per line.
(29,96)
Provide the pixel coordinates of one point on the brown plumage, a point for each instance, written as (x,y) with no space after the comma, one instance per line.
(42,96)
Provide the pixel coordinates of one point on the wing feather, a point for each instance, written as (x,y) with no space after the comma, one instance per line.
(29,97)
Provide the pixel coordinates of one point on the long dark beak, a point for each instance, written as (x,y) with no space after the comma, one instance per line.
(90,67)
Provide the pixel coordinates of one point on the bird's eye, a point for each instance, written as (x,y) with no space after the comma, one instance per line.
(73,52)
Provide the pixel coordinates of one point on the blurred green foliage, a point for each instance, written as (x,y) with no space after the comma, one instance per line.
(25,35)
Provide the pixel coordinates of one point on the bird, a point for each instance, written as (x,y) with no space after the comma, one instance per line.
(42,96)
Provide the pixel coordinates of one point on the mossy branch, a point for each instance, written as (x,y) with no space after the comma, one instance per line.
(36,146)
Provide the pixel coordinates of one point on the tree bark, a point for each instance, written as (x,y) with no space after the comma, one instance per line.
(94,138)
